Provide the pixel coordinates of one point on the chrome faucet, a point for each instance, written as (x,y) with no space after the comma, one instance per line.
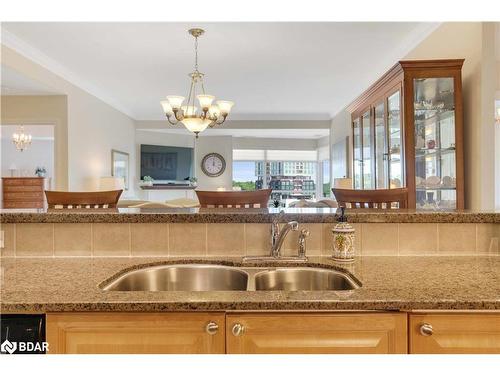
(278,236)
(277,241)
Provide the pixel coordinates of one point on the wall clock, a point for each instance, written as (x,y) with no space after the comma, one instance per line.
(213,164)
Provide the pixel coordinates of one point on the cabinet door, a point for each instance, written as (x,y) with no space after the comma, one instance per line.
(395,140)
(367,147)
(283,333)
(454,333)
(134,333)
(357,154)
(435,142)
(381,154)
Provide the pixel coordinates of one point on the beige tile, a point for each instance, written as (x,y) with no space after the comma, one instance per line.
(487,238)
(73,239)
(418,239)
(8,240)
(257,239)
(327,242)
(187,239)
(379,239)
(149,239)
(457,239)
(313,242)
(226,239)
(34,239)
(111,239)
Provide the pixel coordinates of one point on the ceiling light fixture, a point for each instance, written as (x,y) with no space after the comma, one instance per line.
(21,140)
(196,121)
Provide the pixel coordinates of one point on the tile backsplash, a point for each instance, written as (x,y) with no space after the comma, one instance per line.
(230,239)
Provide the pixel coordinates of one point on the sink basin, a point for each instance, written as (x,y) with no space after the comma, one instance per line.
(292,279)
(184,277)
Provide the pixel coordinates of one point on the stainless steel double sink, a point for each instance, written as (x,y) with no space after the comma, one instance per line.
(210,277)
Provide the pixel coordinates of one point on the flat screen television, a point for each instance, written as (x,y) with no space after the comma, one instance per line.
(166,163)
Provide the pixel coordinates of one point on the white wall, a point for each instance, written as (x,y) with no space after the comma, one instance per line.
(93,127)
(221,145)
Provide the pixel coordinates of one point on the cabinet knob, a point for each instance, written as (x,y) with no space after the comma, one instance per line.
(212,328)
(238,329)
(426,329)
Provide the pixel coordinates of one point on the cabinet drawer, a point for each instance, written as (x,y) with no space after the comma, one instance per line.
(33,181)
(22,204)
(135,333)
(290,333)
(23,196)
(455,333)
(20,188)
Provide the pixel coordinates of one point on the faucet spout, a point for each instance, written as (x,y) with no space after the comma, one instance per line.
(278,243)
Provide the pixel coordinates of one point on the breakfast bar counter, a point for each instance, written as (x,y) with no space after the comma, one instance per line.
(252,215)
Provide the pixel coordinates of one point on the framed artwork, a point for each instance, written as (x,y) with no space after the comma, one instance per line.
(120,166)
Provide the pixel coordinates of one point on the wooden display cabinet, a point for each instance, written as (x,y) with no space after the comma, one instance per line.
(407,130)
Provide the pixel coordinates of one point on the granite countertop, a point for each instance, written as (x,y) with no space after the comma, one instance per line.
(388,283)
(220,215)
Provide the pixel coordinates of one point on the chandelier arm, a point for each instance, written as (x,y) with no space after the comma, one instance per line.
(172,122)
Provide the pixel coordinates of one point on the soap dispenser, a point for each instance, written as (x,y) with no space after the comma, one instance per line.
(343,239)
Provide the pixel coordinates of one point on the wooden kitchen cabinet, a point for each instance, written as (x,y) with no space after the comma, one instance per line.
(316,333)
(454,333)
(135,333)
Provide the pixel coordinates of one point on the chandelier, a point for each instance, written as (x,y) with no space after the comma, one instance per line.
(21,140)
(188,114)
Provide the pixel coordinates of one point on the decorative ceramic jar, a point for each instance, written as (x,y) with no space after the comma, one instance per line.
(343,240)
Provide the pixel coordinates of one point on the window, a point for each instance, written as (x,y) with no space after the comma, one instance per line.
(291,175)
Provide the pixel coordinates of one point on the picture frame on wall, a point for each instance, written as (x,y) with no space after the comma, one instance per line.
(120,166)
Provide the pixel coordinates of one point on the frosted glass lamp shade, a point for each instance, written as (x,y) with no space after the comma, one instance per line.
(342,183)
(195,124)
(214,110)
(111,183)
(225,106)
(175,101)
(167,108)
(205,100)
(189,110)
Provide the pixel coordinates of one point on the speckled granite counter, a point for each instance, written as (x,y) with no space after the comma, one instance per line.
(303,215)
(389,283)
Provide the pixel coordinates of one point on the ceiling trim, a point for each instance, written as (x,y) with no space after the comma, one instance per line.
(35,55)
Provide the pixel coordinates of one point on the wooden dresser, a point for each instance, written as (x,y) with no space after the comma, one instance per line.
(23,192)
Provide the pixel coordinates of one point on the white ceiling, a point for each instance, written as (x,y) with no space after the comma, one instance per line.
(307,70)
(255,133)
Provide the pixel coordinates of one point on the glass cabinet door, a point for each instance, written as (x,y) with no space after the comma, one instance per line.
(435,157)
(358,157)
(381,165)
(395,140)
(367,151)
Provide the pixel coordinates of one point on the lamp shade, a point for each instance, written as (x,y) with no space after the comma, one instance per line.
(167,108)
(225,106)
(111,183)
(342,183)
(195,125)
(205,100)
(175,101)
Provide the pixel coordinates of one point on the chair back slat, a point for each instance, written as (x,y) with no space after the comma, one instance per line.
(234,199)
(82,199)
(374,199)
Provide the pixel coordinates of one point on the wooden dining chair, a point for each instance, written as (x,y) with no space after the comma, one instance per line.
(234,199)
(82,199)
(378,199)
